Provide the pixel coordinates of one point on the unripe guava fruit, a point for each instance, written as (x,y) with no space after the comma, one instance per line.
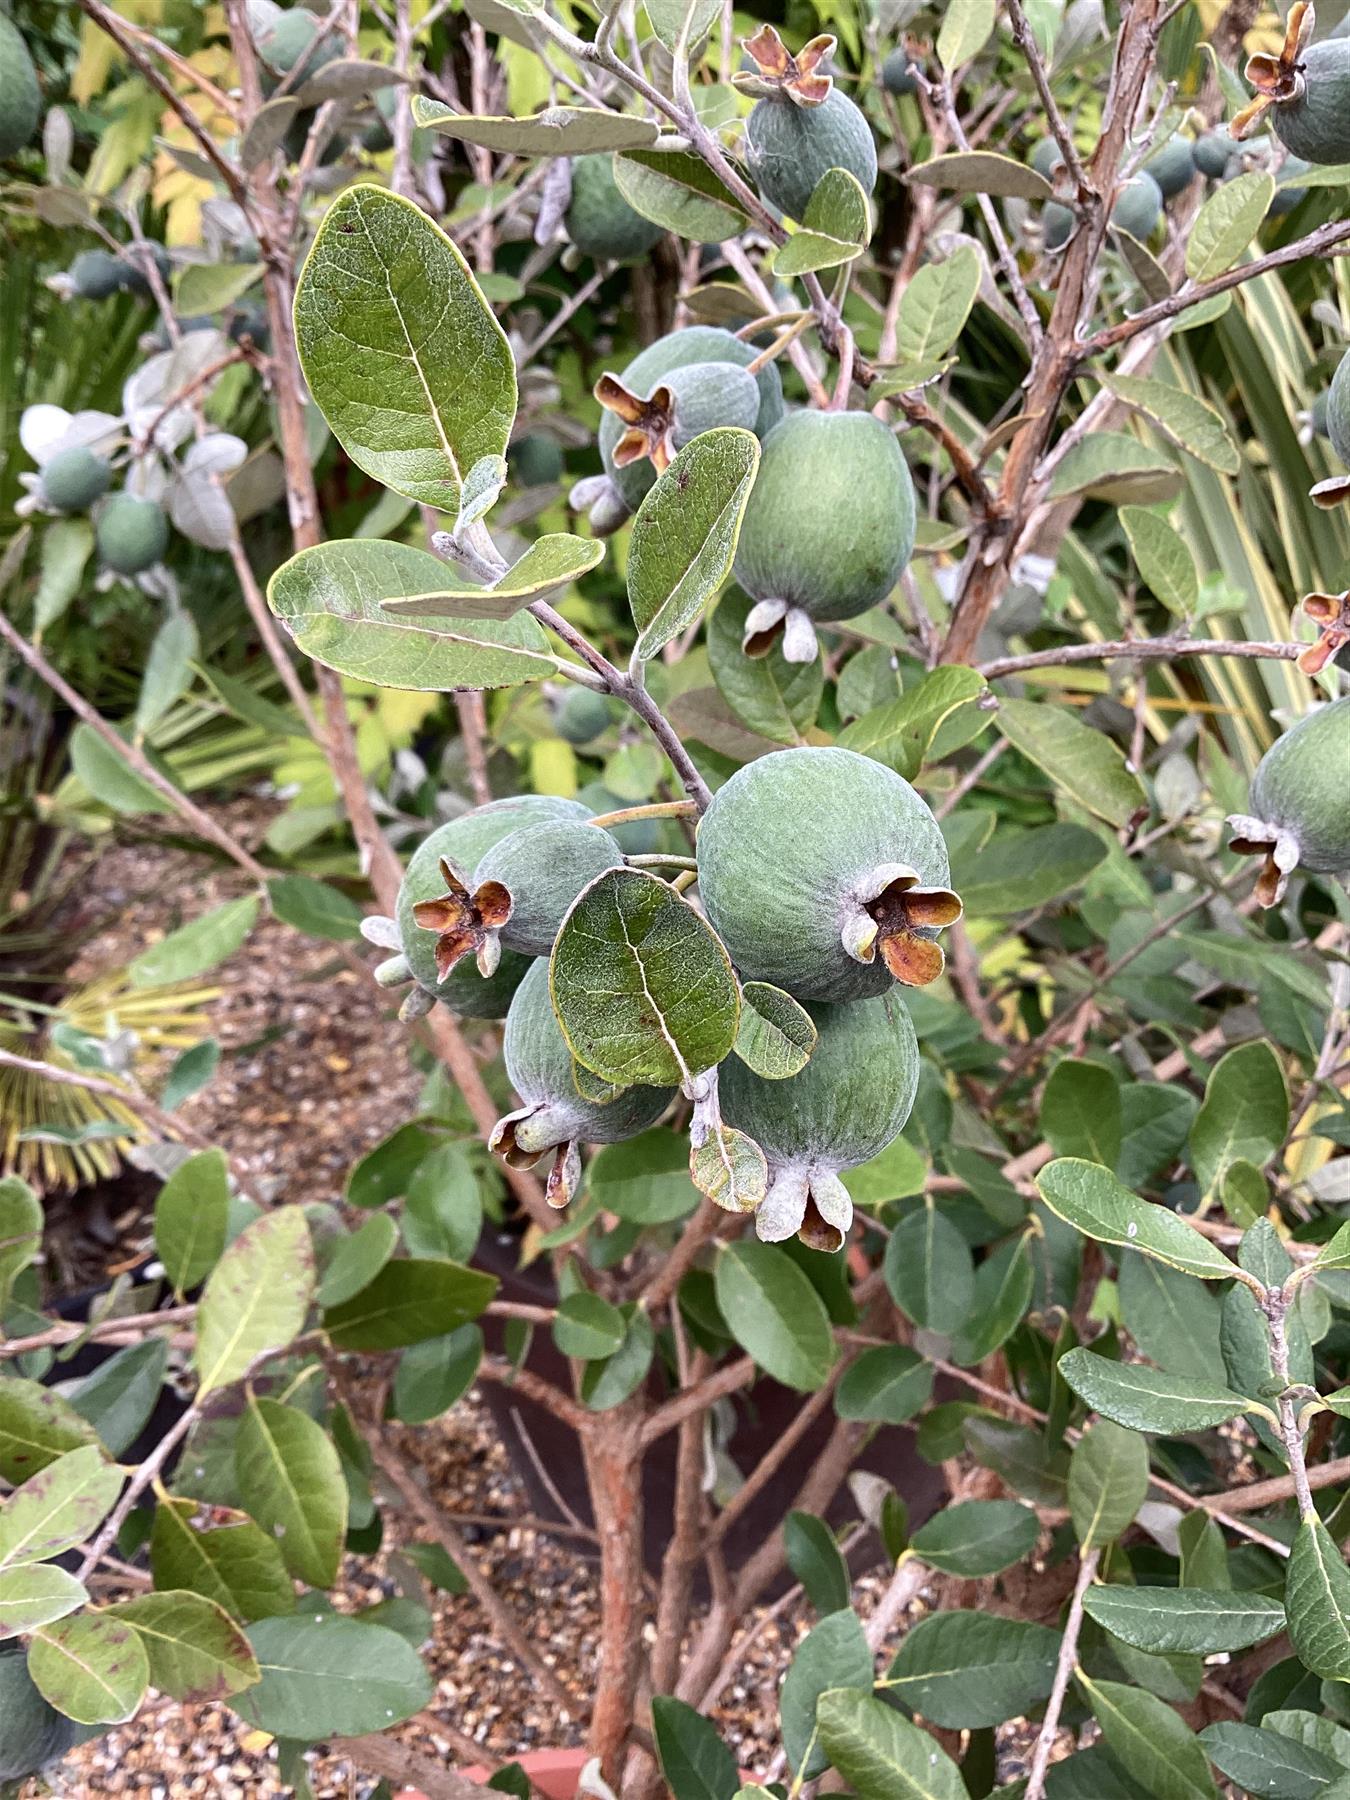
(1213,152)
(536,460)
(74,479)
(1138,206)
(1314,123)
(95,274)
(1287,198)
(824,873)
(1172,166)
(682,406)
(554,1115)
(20,95)
(850,1101)
(599,221)
(581,715)
(1056,225)
(1300,801)
(132,534)
(828,529)
(678,350)
(464,842)
(899,74)
(789,147)
(543,868)
(1047,157)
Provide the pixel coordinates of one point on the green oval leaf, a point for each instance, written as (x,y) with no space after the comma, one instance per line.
(678,191)
(901,733)
(408,1301)
(553,131)
(973,1667)
(880,1753)
(59,1507)
(289,1469)
(775,1314)
(1149,1739)
(776,1034)
(889,1382)
(1163,558)
(550,565)
(232,1562)
(91,1667)
(36,1427)
(695,1762)
(1227,223)
(197,946)
(1108,1480)
(977,1537)
(1185,1621)
(1317,1601)
(982,172)
(331,1675)
(1089,1197)
(929,1271)
(195,1650)
(191,1217)
(967,26)
(36,1594)
(834,230)
(936,305)
(257,1297)
(587,1326)
(1192,423)
(1145,1399)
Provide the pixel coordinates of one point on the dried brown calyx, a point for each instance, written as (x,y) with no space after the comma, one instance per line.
(516,1139)
(650,424)
(1277,79)
(895,917)
(465,921)
(778,75)
(1278,849)
(1331,613)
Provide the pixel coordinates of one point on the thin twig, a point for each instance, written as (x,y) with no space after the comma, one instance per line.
(1064,1667)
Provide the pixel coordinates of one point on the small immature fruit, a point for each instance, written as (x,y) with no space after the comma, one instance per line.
(850,1101)
(801,124)
(20,96)
(1047,157)
(542,869)
(96,274)
(132,534)
(828,529)
(1172,166)
(74,479)
(581,715)
(536,460)
(824,873)
(1057,224)
(250,321)
(1213,152)
(555,1116)
(688,402)
(1318,415)
(1338,409)
(1300,800)
(1287,198)
(464,842)
(599,221)
(1138,206)
(133,268)
(899,73)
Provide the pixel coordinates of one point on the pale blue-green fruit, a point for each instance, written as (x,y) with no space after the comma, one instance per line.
(1338,409)
(850,1101)
(464,842)
(544,868)
(899,74)
(789,147)
(581,715)
(599,221)
(20,96)
(1056,225)
(1213,152)
(704,396)
(132,534)
(798,853)
(75,478)
(1172,166)
(1138,206)
(1287,198)
(1300,801)
(1046,157)
(1316,123)
(96,274)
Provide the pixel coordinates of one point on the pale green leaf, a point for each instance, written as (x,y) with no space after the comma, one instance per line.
(880,1753)
(1192,423)
(59,1507)
(678,191)
(776,1034)
(935,306)
(422,585)
(289,1469)
(36,1594)
(1184,1621)
(408,1301)
(1150,1740)
(191,1216)
(91,1667)
(1144,1399)
(256,1298)
(197,946)
(1227,223)
(901,733)
(982,172)
(971,1669)
(1090,1198)
(834,229)
(325,1675)
(967,26)
(196,1651)
(1085,763)
(1108,1479)
(36,1426)
(1112,465)
(775,1313)
(731,1169)
(1163,558)
(554,131)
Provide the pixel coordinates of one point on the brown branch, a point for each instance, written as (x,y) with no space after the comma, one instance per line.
(1258,1494)
(726,1380)
(612,1452)
(393,1761)
(130,1329)
(1064,1666)
(534,1387)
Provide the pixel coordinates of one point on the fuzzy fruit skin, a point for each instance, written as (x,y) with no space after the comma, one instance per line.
(1316,126)
(1302,785)
(783,851)
(582,715)
(544,868)
(132,534)
(20,95)
(1047,157)
(789,148)
(850,1101)
(75,478)
(1212,153)
(680,350)
(898,74)
(539,1065)
(536,460)
(830,522)
(599,221)
(96,274)
(1317,414)
(1338,409)
(1172,166)
(464,842)
(1138,206)
(706,395)
(1056,225)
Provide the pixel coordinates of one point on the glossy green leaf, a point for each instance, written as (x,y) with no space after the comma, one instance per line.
(587,1326)
(1145,1399)
(1149,1740)
(1004,1285)
(119,1396)
(775,1313)
(59,1507)
(609,1383)
(1245,1113)
(91,1667)
(197,946)
(888,1382)
(678,191)
(443,1210)
(1017,870)
(982,172)
(1227,223)
(834,230)
(643,989)
(936,304)
(433,1375)
(880,1753)
(1317,1600)
(256,1298)
(1192,424)
(1084,762)
(695,1762)
(357,1259)
(195,1650)
(289,1470)
(553,131)
(685,534)
(1081,1112)
(231,1560)
(34,1594)
(776,1034)
(409,1300)
(833,1654)
(901,733)
(1163,558)
(1188,1621)
(929,1271)
(645,1180)
(1267,1762)
(814,1556)
(401,352)
(36,1426)
(325,1675)
(1108,1479)
(191,1216)
(962,1670)
(1090,1198)
(977,1537)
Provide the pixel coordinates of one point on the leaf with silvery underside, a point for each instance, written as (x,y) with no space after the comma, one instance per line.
(1088,1197)
(668,20)
(1184,1621)
(936,305)
(555,131)
(642,986)
(982,172)
(776,1034)
(347,78)
(906,378)
(730,1169)
(402,353)
(679,192)
(36,1594)
(1227,223)
(1144,1399)
(685,534)
(332,599)
(482,486)
(197,946)
(967,26)
(1163,558)
(406,580)
(1192,424)
(835,228)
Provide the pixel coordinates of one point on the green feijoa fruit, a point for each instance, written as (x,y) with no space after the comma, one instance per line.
(20,96)
(656,364)
(95,274)
(1057,224)
(1338,409)
(75,478)
(1300,800)
(789,147)
(1172,166)
(536,460)
(289,43)
(1138,206)
(1047,157)
(581,715)
(824,873)
(1310,112)
(543,868)
(249,322)
(554,1115)
(132,534)
(134,277)
(1213,152)
(828,529)
(599,221)
(1287,198)
(463,843)
(682,406)
(899,73)
(849,1102)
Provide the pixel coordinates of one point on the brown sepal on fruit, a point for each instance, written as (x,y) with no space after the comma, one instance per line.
(1277,849)
(465,921)
(650,423)
(901,913)
(1332,613)
(1277,79)
(781,76)
(1331,492)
